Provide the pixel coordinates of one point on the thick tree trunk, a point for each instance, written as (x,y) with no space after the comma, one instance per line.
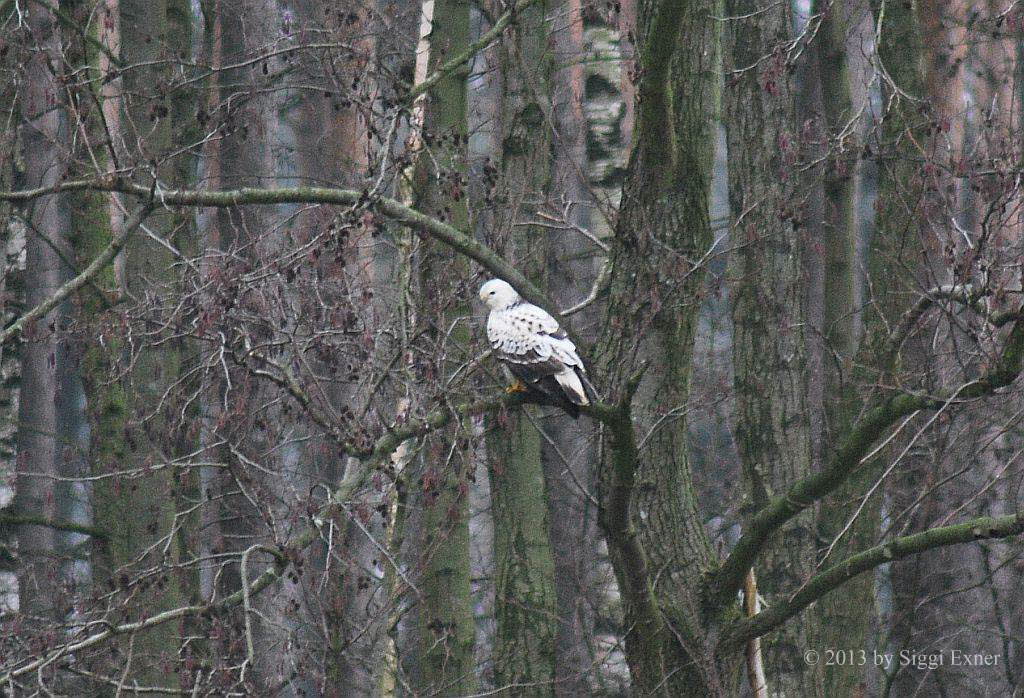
(260,447)
(569,451)
(524,649)
(999,65)
(966,225)
(340,155)
(130,422)
(44,141)
(525,577)
(769,306)
(442,631)
(903,209)
(843,76)
(13,240)
(208,236)
(288,134)
(648,510)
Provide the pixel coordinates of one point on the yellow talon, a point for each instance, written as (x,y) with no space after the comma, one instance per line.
(517,387)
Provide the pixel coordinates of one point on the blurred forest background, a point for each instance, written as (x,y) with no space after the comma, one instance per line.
(251,442)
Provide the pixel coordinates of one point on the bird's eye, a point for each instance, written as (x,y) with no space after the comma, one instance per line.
(491,293)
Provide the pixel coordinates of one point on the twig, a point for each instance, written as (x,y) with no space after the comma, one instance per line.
(455,63)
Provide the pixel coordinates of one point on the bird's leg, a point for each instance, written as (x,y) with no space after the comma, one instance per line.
(517,387)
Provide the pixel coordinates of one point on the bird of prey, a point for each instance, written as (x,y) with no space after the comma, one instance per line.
(536,350)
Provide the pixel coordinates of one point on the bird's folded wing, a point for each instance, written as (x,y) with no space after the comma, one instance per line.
(528,335)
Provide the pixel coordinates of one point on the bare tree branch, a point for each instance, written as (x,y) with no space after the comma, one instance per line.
(727,580)
(474,48)
(12,519)
(837,575)
(395,210)
(102,260)
(354,478)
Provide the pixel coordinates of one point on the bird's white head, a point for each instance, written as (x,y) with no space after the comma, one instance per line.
(498,294)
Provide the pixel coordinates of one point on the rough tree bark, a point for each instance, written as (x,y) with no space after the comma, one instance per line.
(841,39)
(525,577)
(648,512)
(10,288)
(130,418)
(568,451)
(44,139)
(769,288)
(439,658)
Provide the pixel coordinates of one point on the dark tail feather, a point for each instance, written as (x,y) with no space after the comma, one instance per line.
(547,391)
(571,408)
(588,387)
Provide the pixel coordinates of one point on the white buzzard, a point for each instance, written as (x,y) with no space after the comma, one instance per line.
(535,348)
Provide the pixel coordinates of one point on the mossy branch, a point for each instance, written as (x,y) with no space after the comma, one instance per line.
(11,519)
(654,115)
(837,575)
(95,267)
(461,242)
(630,560)
(722,585)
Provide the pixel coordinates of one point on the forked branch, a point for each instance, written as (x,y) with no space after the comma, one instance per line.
(723,584)
(837,575)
